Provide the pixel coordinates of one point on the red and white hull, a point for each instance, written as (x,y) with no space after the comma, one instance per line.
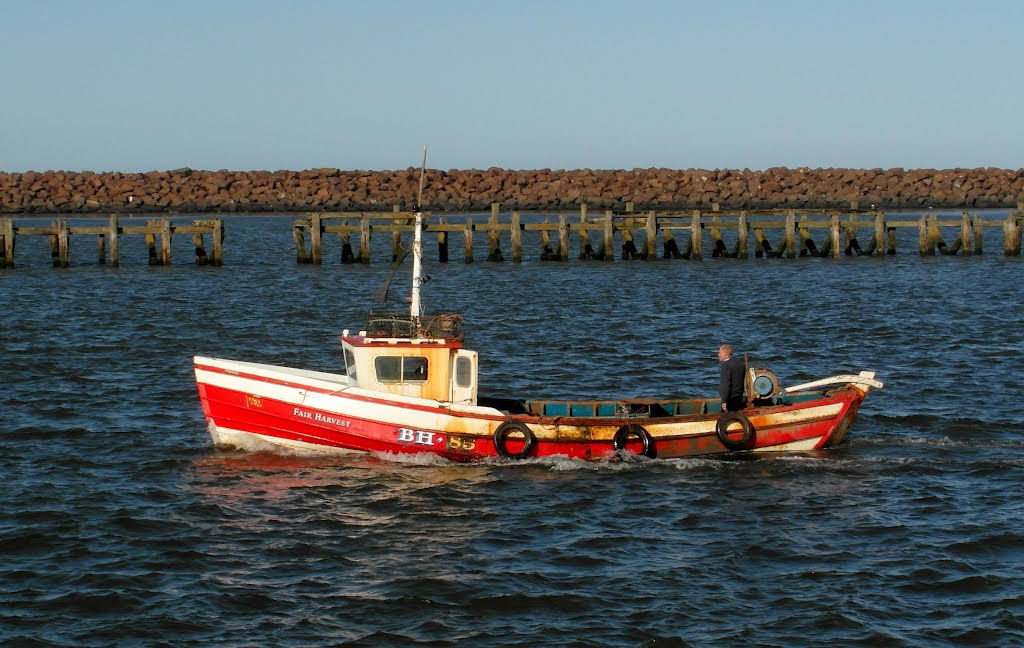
(247,403)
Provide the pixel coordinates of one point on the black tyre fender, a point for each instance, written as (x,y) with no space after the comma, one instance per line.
(501,437)
(722,429)
(622,437)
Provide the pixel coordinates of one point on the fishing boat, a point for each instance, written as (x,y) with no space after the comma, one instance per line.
(409,385)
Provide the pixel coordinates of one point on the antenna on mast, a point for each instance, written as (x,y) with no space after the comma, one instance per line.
(415,308)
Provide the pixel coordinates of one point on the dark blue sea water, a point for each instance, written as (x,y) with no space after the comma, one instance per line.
(120,524)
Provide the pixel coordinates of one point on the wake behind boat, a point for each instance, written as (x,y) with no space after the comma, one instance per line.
(410,386)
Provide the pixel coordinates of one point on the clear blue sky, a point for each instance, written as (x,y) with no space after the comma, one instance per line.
(521,84)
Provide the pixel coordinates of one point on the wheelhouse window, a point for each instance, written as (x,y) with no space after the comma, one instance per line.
(400,369)
(350,364)
(464,372)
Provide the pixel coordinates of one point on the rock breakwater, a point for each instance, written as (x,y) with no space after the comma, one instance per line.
(191,191)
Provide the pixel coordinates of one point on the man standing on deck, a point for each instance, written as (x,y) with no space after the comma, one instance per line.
(730,387)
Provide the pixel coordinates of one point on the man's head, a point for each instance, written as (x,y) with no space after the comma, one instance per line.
(724,352)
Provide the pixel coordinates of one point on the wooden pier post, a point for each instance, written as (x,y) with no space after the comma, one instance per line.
(880,233)
(547,253)
(218,241)
(364,239)
(151,243)
(442,241)
(165,241)
(717,244)
(966,234)
(494,236)
(197,243)
(924,239)
(651,245)
(586,249)
(669,245)
(517,238)
(790,235)
(467,240)
(807,245)
(696,237)
(891,247)
(101,249)
(63,244)
(1011,234)
(742,236)
(114,236)
(7,234)
(835,236)
(852,244)
(763,246)
(316,230)
(608,243)
(629,250)
(300,244)
(936,235)
(563,238)
(345,238)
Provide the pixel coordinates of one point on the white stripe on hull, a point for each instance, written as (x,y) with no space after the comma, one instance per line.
(229,437)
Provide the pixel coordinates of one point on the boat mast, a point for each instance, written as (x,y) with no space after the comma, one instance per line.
(415,308)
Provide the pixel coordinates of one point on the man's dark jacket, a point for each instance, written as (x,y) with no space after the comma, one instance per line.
(730,388)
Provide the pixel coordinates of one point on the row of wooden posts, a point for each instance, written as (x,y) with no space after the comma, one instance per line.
(109,236)
(796,225)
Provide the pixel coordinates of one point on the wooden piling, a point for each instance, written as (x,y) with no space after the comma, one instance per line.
(364,239)
(880,233)
(151,243)
(651,244)
(696,237)
(345,238)
(586,249)
(671,248)
(608,243)
(101,249)
(200,249)
(517,238)
(790,235)
(852,244)
(114,238)
(7,234)
(924,239)
(494,236)
(742,235)
(442,241)
(835,236)
(547,253)
(629,250)
(807,245)
(63,244)
(935,235)
(563,237)
(467,242)
(316,230)
(966,234)
(300,244)
(717,244)
(763,246)
(891,247)
(165,241)
(1011,234)
(218,241)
